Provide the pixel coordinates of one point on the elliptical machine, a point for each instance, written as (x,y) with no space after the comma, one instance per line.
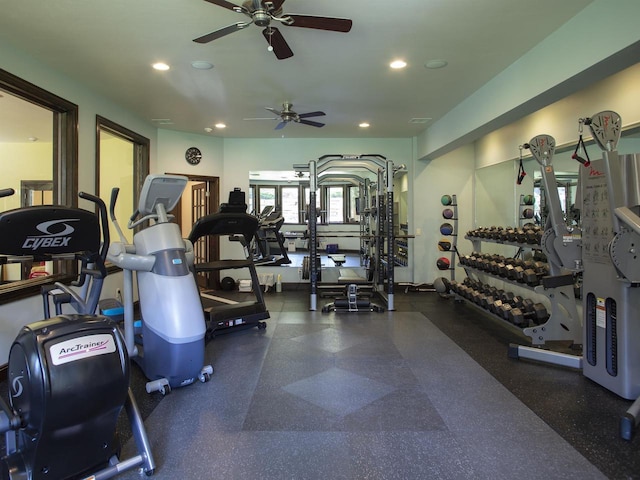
(173,326)
(68,376)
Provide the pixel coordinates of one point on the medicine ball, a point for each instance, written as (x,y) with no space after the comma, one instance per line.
(447,213)
(446,200)
(527,213)
(444,245)
(446,229)
(227,284)
(441,285)
(528,199)
(443,263)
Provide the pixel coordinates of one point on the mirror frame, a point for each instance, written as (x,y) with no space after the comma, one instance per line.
(65,170)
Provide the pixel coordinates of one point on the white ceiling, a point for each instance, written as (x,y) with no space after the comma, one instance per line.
(109,46)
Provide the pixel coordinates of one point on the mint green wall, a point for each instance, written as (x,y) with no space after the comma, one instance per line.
(558,66)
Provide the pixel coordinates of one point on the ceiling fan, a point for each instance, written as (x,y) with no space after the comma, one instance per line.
(263,12)
(287,115)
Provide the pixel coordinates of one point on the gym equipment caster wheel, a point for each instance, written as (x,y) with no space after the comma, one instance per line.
(161,385)
(262,325)
(205,374)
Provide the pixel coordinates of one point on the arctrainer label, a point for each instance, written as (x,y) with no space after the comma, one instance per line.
(82,347)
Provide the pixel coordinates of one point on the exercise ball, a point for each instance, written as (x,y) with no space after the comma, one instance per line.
(441,285)
(443,263)
(227,284)
(446,229)
(444,245)
(446,200)
(447,213)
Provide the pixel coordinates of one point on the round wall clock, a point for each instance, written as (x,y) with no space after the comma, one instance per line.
(193,155)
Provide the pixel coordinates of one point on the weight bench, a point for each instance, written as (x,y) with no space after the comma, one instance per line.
(351,303)
(349,275)
(338,259)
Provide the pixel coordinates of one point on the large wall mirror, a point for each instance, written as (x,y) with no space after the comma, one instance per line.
(38,151)
(497,195)
(280,199)
(122,161)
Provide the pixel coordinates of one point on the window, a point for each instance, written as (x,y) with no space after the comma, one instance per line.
(56,153)
(354,209)
(266,197)
(290,204)
(335,204)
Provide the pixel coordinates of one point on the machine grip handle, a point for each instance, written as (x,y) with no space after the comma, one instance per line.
(583,161)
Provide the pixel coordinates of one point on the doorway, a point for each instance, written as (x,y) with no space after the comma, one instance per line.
(200,198)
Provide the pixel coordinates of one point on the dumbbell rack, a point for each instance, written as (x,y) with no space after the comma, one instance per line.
(564,322)
(450,255)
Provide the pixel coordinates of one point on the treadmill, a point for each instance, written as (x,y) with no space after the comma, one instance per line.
(224,315)
(270,223)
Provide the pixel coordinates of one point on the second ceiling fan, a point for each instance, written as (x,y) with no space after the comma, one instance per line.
(287,115)
(262,13)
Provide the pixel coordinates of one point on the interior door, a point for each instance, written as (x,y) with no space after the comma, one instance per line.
(199,203)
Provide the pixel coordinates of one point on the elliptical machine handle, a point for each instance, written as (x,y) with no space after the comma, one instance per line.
(7,192)
(112,213)
(104,222)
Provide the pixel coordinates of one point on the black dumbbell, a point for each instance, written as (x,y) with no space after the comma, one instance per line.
(537,314)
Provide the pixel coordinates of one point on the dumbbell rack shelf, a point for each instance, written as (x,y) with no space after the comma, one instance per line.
(502,321)
(476,241)
(564,322)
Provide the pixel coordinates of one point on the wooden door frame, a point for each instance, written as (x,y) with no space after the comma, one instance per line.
(212,207)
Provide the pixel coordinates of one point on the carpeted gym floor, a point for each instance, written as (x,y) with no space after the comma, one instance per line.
(426,391)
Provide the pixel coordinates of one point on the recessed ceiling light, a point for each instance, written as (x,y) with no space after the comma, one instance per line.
(396,64)
(436,64)
(220,125)
(201,65)
(208,129)
(364,125)
(161,66)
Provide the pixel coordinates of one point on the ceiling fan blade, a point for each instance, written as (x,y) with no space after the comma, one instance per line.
(273,110)
(312,123)
(321,23)
(223,4)
(311,114)
(209,37)
(277,41)
(280,126)
(262,118)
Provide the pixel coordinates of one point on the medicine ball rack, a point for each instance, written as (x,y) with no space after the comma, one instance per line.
(449,229)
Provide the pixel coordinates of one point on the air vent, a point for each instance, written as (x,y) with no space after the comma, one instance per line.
(419,120)
(162,121)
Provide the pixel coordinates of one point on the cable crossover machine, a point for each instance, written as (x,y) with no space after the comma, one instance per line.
(377,235)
